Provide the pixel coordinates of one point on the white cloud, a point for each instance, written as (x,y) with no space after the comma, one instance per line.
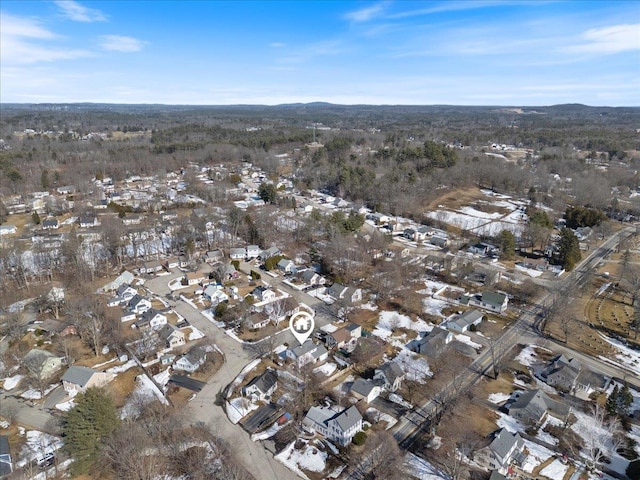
(24,41)
(120,43)
(366,14)
(79,13)
(613,39)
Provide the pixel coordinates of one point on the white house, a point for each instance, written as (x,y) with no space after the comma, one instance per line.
(365,390)
(339,427)
(263,294)
(214,294)
(253,251)
(286,266)
(390,376)
(139,304)
(191,361)
(262,386)
(495,302)
(152,319)
(308,352)
(126,292)
(237,253)
(7,229)
(193,278)
(463,322)
(171,336)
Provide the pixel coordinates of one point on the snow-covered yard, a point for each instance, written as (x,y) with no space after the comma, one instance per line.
(326,369)
(555,470)
(389,322)
(420,468)
(12,382)
(310,458)
(238,408)
(415,366)
(537,456)
(145,392)
(37,445)
(528,356)
(499,398)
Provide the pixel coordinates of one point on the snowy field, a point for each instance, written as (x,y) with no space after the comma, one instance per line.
(555,470)
(326,369)
(537,456)
(486,223)
(390,321)
(238,408)
(37,445)
(528,355)
(415,366)
(498,398)
(12,382)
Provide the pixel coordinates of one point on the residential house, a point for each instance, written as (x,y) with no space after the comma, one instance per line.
(237,253)
(532,407)
(193,278)
(66,190)
(569,375)
(126,292)
(88,221)
(50,223)
(262,386)
(365,390)
(269,252)
(171,263)
(311,277)
(215,294)
(132,220)
(42,363)
(184,261)
(114,301)
(379,218)
(263,294)
(253,251)
(390,376)
(166,359)
(463,322)
(493,301)
(286,266)
(125,277)
(213,256)
(138,304)
(344,338)
(483,249)
(152,318)
(506,449)
(338,426)
(6,464)
(192,360)
(308,352)
(583,233)
(77,379)
(171,336)
(153,266)
(439,241)
(257,321)
(434,343)
(349,294)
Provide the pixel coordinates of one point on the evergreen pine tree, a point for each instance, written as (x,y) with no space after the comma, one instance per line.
(92,419)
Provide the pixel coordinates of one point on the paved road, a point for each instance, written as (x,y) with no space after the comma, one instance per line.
(258,461)
(25,414)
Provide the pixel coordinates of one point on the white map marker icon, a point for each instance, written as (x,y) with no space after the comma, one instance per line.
(301,325)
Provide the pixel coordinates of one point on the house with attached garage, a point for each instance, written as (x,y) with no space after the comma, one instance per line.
(257,321)
(152,318)
(462,323)
(505,449)
(338,426)
(192,360)
(286,266)
(308,352)
(365,390)
(126,292)
(263,294)
(153,266)
(492,301)
(569,375)
(434,343)
(125,277)
(269,252)
(193,278)
(41,363)
(262,386)
(237,253)
(390,376)
(350,295)
(345,338)
(311,277)
(77,379)
(253,251)
(532,407)
(88,221)
(171,336)
(215,294)
(50,223)
(138,304)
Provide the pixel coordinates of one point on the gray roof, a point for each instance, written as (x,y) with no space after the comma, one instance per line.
(122,288)
(166,331)
(4,445)
(264,382)
(306,347)
(493,298)
(470,317)
(78,375)
(391,371)
(195,355)
(535,403)
(504,441)
(434,342)
(362,387)
(348,418)
(135,300)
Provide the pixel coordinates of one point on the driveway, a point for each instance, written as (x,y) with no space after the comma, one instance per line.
(30,416)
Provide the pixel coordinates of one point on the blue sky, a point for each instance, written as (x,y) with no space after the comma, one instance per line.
(391,52)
